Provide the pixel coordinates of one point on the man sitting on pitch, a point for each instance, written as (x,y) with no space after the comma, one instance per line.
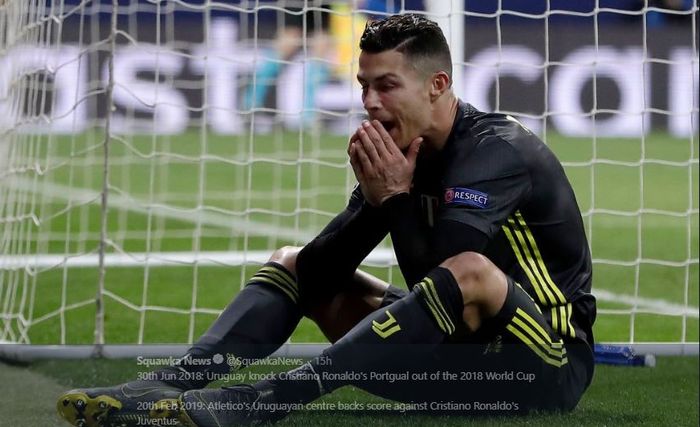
(488,236)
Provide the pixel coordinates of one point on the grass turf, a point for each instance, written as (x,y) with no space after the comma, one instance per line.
(621,396)
(639,200)
(638,197)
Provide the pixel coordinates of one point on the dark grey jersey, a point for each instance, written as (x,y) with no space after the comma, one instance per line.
(495,176)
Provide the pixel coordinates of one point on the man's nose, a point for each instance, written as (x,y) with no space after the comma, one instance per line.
(371,100)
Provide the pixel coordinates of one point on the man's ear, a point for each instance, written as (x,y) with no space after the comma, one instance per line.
(440,82)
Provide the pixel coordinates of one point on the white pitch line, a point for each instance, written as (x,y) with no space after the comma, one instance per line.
(655,305)
(208,218)
(378,257)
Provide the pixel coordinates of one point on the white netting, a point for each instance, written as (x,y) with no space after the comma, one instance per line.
(225,130)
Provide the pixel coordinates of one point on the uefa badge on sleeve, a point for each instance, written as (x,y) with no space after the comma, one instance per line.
(466,196)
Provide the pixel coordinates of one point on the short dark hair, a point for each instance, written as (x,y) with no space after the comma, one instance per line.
(414,35)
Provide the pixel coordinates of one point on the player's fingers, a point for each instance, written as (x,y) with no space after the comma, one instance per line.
(376,138)
(353,138)
(364,159)
(384,135)
(351,152)
(369,148)
(413,150)
(355,162)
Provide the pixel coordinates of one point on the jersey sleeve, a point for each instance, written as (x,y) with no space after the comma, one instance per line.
(357,199)
(355,203)
(487,186)
(342,245)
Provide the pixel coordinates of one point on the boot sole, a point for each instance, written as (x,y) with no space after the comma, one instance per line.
(81,410)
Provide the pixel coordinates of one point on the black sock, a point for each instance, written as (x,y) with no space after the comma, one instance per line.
(522,322)
(255,324)
(297,386)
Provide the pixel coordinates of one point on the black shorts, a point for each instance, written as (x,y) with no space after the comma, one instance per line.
(493,371)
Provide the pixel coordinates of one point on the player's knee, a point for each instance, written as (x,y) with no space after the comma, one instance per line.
(286,256)
(473,272)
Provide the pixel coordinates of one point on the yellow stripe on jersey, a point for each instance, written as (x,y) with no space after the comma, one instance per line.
(524,266)
(546,353)
(538,258)
(562,319)
(555,319)
(436,316)
(531,263)
(555,349)
(530,260)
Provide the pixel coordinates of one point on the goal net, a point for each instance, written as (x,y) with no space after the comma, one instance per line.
(153,154)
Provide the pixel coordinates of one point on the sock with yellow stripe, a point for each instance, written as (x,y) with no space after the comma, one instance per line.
(258,321)
(442,298)
(522,322)
(394,338)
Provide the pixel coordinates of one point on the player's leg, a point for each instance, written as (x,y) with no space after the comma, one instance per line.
(267,310)
(521,363)
(395,337)
(467,290)
(260,319)
(513,363)
(253,325)
(502,333)
(336,314)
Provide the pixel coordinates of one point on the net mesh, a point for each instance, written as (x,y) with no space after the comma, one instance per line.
(153,154)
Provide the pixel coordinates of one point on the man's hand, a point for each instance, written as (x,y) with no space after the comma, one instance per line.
(380,167)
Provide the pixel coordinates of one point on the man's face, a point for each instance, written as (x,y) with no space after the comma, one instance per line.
(394,93)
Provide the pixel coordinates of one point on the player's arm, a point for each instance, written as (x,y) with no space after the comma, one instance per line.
(355,204)
(416,252)
(347,240)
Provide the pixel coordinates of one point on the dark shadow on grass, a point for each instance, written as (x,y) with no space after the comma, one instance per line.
(395,417)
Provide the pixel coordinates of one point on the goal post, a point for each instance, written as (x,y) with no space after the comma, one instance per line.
(154,154)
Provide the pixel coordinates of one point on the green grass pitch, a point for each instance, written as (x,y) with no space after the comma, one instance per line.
(207,180)
(177,194)
(619,396)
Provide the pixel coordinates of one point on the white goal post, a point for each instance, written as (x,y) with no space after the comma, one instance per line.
(151,150)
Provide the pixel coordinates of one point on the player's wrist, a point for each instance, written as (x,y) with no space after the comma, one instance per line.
(372,206)
(393,201)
